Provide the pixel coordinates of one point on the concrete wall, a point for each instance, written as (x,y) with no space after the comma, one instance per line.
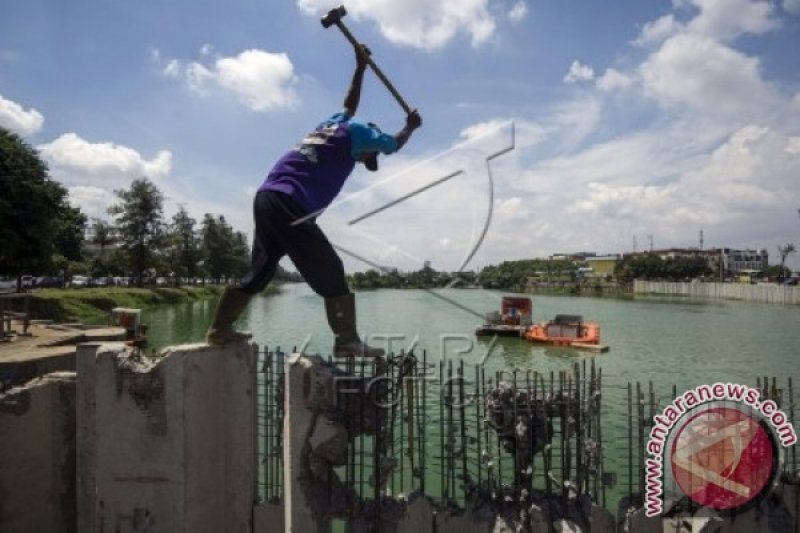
(37,456)
(768,293)
(167,447)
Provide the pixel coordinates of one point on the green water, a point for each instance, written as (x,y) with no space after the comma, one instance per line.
(668,341)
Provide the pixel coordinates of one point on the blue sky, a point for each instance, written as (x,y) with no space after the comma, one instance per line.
(631,118)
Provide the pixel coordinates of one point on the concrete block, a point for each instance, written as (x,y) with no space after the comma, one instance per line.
(303,512)
(418,517)
(328,441)
(166,446)
(268,518)
(37,456)
(464,522)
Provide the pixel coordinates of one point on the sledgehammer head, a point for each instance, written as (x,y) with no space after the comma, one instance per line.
(334,15)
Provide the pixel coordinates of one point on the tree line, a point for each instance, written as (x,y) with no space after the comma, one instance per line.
(41,234)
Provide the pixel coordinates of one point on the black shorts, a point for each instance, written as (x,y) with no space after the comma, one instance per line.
(304,243)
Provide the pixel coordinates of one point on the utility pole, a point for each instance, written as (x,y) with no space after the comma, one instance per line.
(650,238)
(701,239)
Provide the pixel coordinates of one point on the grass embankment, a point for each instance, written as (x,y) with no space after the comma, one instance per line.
(94,305)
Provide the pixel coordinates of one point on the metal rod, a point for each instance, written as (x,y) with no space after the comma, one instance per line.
(640,444)
(630,440)
(443,486)
(423,434)
(580,475)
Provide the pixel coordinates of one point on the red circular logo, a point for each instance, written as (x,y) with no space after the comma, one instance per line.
(722,458)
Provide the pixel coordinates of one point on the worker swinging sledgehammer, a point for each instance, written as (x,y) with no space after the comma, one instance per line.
(300,185)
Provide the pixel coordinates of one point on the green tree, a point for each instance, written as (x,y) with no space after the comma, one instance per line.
(103,234)
(102,237)
(36,221)
(184,244)
(139,221)
(225,252)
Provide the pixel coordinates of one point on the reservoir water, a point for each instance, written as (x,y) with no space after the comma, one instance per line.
(666,340)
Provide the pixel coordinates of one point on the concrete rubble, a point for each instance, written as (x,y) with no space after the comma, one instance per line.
(171,445)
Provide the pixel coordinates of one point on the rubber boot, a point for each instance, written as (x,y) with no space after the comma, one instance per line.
(341,313)
(230,306)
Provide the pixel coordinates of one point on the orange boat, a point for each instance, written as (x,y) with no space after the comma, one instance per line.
(567,330)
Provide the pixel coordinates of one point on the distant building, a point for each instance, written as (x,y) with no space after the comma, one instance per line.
(724,262)
(601,266)
(575,256)
(735,262)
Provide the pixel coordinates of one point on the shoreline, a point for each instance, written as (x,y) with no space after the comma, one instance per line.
(93,305)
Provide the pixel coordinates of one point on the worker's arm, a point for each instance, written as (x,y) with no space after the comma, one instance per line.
(354,93)
(413,121)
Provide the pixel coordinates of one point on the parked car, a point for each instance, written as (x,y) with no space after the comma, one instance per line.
(27,282)
(45,282)
(79,281)
(8,284)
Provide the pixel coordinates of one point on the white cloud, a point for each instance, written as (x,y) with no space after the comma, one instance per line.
(262,81)
(706,77)
(656,32)
(518,11)
(727,19)
(93,201)
(482,129)
(793,146)
(578,72)
(792,6)
(15,118)
(77,161)
(172,69)
(426,24)
(613,80)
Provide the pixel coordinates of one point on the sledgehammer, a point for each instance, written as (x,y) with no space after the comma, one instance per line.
(335,16)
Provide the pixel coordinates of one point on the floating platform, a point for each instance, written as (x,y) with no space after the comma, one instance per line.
(512,320)
(500,330)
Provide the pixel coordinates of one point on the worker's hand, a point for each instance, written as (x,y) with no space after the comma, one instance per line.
(362,56)
(413,120)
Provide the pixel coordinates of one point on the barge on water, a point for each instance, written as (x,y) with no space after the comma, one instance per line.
(567,330)
(512,320)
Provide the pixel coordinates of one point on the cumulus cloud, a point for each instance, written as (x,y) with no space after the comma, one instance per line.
(262,81)
(792,6)
(19,120)
(77,161)
(727,19)
(613,80)
(793,146)
(657,31)
(426,24)
(518,11)
(578,72)
(93,201)
(704,76)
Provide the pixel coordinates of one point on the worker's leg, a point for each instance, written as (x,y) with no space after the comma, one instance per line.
(265,255)
(321,267)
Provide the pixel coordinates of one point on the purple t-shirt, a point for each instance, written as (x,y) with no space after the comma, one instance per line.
(314,172)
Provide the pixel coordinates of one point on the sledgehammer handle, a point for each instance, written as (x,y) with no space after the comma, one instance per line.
(375,68)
